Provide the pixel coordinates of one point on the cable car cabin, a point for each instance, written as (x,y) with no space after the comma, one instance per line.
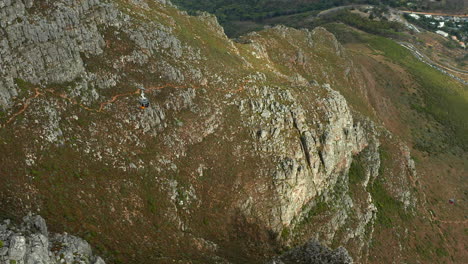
(144,103)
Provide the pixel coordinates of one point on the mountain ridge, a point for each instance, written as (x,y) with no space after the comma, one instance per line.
(273,139)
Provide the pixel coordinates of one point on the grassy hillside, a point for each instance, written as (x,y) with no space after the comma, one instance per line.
(428,110)
(439,96)
(436,96)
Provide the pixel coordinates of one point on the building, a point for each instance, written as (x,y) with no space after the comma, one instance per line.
(442,33)
(414,16)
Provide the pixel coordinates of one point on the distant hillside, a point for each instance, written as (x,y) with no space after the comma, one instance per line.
(230,12)
(456,6)
(227,10)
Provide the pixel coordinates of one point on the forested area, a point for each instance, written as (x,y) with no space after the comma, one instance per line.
(381,27)
(239,10)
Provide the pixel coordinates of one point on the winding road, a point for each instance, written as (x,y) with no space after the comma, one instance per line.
(442,68)
(433,14)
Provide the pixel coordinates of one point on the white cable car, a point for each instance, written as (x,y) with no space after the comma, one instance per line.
(144,102)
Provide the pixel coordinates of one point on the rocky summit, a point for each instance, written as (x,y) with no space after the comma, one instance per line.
(281,146)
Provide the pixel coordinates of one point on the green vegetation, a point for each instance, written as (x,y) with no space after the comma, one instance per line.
(379,27)
(151,202)
(441,252)
(388,207)
(285,233)
(450,27)
(230,12)
(384,158)
(23,87)
(65,86)
(1,243)
(462,61)
(442,98)
(427,249)
(22,84)
(356,172)
(424,251)
(382,27)
(319,208)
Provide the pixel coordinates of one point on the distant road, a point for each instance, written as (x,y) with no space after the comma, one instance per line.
(419,53)
(335,9)
(338,8)
(432,14)
(435,65)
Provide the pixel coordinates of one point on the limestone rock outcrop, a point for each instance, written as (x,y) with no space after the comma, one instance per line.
(30,243)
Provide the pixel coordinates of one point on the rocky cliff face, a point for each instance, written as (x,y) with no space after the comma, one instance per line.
(30,242)
(246,148)
(312,148)
(314,253)
(42,40)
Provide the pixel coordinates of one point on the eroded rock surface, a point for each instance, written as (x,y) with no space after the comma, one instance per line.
(30,243)
(313,252)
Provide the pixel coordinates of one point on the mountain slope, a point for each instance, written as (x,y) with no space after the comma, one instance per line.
(248,148)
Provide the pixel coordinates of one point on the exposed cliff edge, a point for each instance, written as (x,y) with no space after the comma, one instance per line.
(30,242)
